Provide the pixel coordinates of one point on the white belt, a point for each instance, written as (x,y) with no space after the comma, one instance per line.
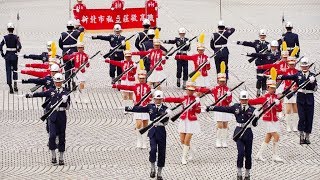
(61,109)
(119,50)
(306,91)
(11,49)
(158,124)
(243,124)
(290,48)
(220,46)
(70,46)
(183,52)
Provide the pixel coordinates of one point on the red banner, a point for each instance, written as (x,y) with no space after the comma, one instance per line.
(128,18)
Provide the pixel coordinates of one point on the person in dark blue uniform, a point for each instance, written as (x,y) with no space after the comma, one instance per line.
(68,44)
(259,46)
(219,43)
(142,36)
(182,66)
(157,133)
(242,112)
(58,119)
(292,39)
(44,56)
(114,40)
(13,46)
(305,99)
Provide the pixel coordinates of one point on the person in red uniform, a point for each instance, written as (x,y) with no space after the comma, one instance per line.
(152,8)
(154,55)
(221,118)
(291,109)
(40,73)
(270,120)
(45,65)
(128,78)
(79,58)
(117,5)
(142,119)
(189,123)
(78,9)
(198,59)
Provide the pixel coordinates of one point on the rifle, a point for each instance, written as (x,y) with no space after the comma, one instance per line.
(159,118)
(116,79)
(174,118)
(182,46)
(56,105)
(117,47)
(148,94)
(254,58)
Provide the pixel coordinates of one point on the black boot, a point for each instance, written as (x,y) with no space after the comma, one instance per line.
(61,162)
(247,178)
(184,85)
(54,160)
(15,86)
(307,140)
(153,173)
(178,82)
(258,93)
(302,140)
(10,89)
(159,176)
(239,177)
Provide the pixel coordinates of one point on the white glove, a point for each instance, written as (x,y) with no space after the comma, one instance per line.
(256,113)
(208,62)
(123,42)
(64,98)
(169,113)
(20,55)
(134,65)
(277,101)
(269,47)
(312,79)
(228,93)
(187,43)
(18,81)
(152,91)
(197,99)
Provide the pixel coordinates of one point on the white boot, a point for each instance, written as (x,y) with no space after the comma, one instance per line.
(275,152)
(139,138)
(144,140)
(295,119)
(224,138)
(191,153)
(84,96)
(259,156)
(184,154)
(218,140)
(289,122)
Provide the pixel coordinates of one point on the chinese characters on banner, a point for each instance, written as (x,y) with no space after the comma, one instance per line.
(128,18)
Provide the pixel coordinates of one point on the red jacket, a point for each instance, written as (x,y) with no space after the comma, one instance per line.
(271,115)
(78,9)
(197,61)
(154,55)
(39,65)
(78,58)
(186,100)
(139,90)
(40,73)
(289,71)
(279,65)
(124,66)
(217,92)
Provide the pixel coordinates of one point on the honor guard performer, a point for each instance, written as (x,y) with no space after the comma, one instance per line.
(114,40)
(292,39)
(157,133)
(58,119)
(259,45)
(142,36)
(13,46)
(182,66)
(68,44)
(219,43)
(305,99)
(242,112)
(44,56)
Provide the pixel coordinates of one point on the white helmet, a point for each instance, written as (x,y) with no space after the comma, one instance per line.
(145,22)
(182,30)
(77,22)
(221,23)
(284,53)
(274,43)
(158,94)
(289,25)
(150,32)
(58,77)
(156,42)
(262,32)
(142,74)
(304,62)
(54,68)
(117,27)
(10,25)
(244,94)
(49,44)
(70,23)
(127,53)
(80,44)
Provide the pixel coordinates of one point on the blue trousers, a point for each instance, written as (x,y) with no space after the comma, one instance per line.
(244,146)
(11,65)
(221,56)
(158,144)
(305,112)
(57,127)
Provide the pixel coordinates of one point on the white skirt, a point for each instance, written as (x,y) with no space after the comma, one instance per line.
(280,89)
(128,83)
(187,126)
(271,126)
(156,76)
(80,77)
(141,116)
(221,116)
(293,99)
(203,81)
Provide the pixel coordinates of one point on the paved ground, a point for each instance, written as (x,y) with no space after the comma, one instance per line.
(101,140)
